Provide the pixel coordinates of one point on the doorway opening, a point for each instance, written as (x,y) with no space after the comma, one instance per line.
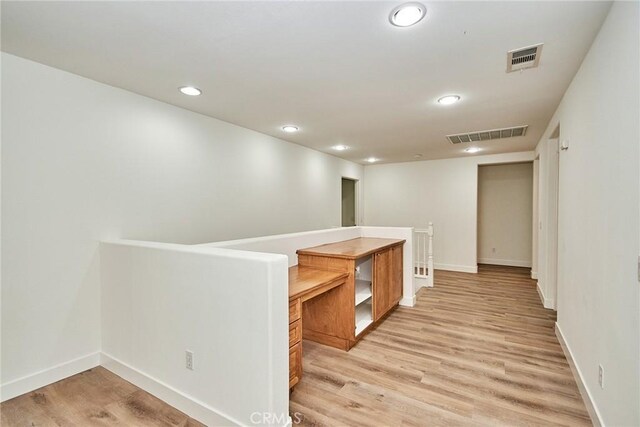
(349,197)
(505,209)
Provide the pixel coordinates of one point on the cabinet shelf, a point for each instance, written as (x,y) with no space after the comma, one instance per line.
(363,291)
(364,316)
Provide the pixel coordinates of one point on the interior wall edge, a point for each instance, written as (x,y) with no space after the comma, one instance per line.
(594,413)
(546,302)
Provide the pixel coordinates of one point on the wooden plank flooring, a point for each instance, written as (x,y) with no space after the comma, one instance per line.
(95,397)
(477,349)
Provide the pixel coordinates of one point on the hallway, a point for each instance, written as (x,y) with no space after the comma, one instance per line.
(477,349)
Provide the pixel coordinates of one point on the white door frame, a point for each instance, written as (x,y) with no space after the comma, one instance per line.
(548,192)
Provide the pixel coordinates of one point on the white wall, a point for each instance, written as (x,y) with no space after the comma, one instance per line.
(599,220)
(83,162)
(230,308)
(288,244)
(505,210)
(442,191)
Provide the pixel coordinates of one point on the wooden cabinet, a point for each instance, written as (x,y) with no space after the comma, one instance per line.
(387,280)
(381,283)
(340,318)
(295,342)
(295,364)
(396,274)
(295,332)
(295,307)
(305,285)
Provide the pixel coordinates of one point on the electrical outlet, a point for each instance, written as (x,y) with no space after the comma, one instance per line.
(189,359)
(601,376)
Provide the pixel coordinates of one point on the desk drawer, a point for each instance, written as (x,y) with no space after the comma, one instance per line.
(295,364)
(295,332)
(295,307)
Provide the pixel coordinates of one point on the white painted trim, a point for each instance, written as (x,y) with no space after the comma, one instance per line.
(183,402)
(534,275)
(507,262)
(460,268)
(546,302)
(408,302)
(540,293)
(592,409)
(422,282)
(48,376)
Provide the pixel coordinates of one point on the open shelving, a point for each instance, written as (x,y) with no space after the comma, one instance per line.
(363,294)
(364,316)
(363,291)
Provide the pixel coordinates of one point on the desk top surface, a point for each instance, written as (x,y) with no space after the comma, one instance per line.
(303,280)
(351,249)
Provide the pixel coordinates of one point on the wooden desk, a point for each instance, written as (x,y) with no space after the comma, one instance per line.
(304,284)
(373,287)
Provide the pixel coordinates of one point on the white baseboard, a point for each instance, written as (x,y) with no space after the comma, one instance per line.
(546,302)
(421,282)
(507,262)
(190,406)
(534,275)
(460,268)
(408,302)
(592,409)
(183,402)
(45,377)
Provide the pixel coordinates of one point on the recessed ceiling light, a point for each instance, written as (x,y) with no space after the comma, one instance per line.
(471,150)
(190,90)
(340,147)
(372,160)
(407,14)
(290,128)
(449,99)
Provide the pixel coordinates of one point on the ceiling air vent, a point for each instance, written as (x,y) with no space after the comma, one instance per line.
(525,57)
(487,135)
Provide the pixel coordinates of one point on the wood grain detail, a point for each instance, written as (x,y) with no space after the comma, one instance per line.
(295,310)
(295,332)
(295,364)
(351,249)
(95,397)
(305,282)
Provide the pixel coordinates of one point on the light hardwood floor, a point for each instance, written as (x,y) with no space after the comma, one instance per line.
(92,398)
(477,349)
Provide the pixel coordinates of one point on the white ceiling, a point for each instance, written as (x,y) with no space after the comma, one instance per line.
(338,70)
